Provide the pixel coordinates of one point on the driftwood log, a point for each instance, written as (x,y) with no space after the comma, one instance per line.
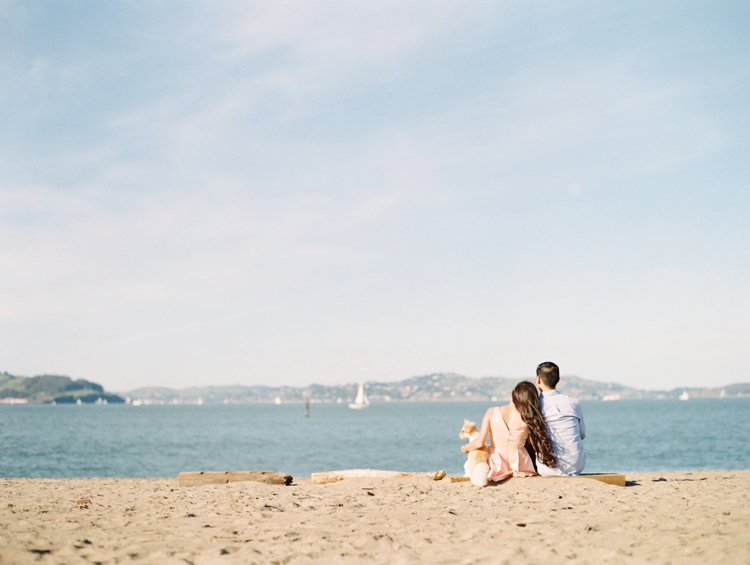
(195,479)
(335,476)
(616,479)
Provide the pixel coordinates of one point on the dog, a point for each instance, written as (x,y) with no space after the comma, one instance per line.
(477,463)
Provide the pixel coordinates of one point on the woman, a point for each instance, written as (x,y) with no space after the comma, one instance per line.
(509,427)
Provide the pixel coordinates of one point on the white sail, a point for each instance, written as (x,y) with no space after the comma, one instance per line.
(684,395)
(361,401)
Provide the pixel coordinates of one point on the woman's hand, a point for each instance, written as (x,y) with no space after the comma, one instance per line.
(480,441)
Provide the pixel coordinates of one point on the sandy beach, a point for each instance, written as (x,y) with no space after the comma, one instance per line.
(686,517)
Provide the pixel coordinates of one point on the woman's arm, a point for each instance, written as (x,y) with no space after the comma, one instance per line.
(480,441)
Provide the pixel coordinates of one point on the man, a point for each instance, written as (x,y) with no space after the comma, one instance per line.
(565,423)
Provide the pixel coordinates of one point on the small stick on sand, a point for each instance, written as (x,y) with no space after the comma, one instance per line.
(195,479)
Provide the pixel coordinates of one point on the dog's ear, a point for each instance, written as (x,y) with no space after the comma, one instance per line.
(466,421)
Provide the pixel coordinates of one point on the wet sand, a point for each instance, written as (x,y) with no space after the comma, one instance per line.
(698,517)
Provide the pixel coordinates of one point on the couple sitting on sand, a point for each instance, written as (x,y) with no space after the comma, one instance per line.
(549,425)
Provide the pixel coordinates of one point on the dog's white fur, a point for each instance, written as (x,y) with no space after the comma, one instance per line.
(476,467)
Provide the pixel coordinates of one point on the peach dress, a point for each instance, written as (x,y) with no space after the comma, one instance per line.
(508,455)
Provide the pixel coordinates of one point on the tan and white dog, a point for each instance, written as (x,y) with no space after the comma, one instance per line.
(477,463)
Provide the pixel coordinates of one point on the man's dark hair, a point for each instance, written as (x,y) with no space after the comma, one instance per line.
(549,373)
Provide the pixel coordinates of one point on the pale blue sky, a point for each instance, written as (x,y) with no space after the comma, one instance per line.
(287,193)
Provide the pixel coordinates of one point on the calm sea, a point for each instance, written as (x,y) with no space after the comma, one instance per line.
(160,441)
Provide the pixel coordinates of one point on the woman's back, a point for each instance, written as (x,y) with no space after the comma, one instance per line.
(511,416)
(508,455)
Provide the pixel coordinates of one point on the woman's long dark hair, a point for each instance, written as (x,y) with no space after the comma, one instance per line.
(526,400)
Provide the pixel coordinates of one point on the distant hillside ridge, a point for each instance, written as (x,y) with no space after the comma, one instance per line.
(436,387)
(47,389)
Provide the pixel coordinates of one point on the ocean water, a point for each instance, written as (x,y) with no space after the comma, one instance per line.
(161,441)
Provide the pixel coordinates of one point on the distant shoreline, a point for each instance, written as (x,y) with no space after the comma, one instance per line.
(23,402)
(437,387)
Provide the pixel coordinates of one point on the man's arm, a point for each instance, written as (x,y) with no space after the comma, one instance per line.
(579,415)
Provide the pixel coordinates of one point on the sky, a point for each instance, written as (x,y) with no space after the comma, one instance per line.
(235,192)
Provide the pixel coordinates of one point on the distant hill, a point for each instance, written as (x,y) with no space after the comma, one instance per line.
(52,388)
(438,387)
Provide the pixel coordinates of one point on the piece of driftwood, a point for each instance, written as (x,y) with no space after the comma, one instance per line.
(335,476)
(616,479)
(198,478)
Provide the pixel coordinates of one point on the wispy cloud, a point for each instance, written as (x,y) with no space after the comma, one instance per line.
(311,188)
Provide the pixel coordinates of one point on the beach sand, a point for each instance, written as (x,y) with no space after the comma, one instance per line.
(690,517)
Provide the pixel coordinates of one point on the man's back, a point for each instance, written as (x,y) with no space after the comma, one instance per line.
(566,427)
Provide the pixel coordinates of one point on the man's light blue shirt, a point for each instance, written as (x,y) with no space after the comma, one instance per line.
(566,427)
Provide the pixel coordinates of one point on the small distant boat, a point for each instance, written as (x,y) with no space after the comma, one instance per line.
(684,395)
(611,397)
(361,400)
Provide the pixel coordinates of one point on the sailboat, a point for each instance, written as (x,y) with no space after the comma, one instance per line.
(684,395)
(361,400)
